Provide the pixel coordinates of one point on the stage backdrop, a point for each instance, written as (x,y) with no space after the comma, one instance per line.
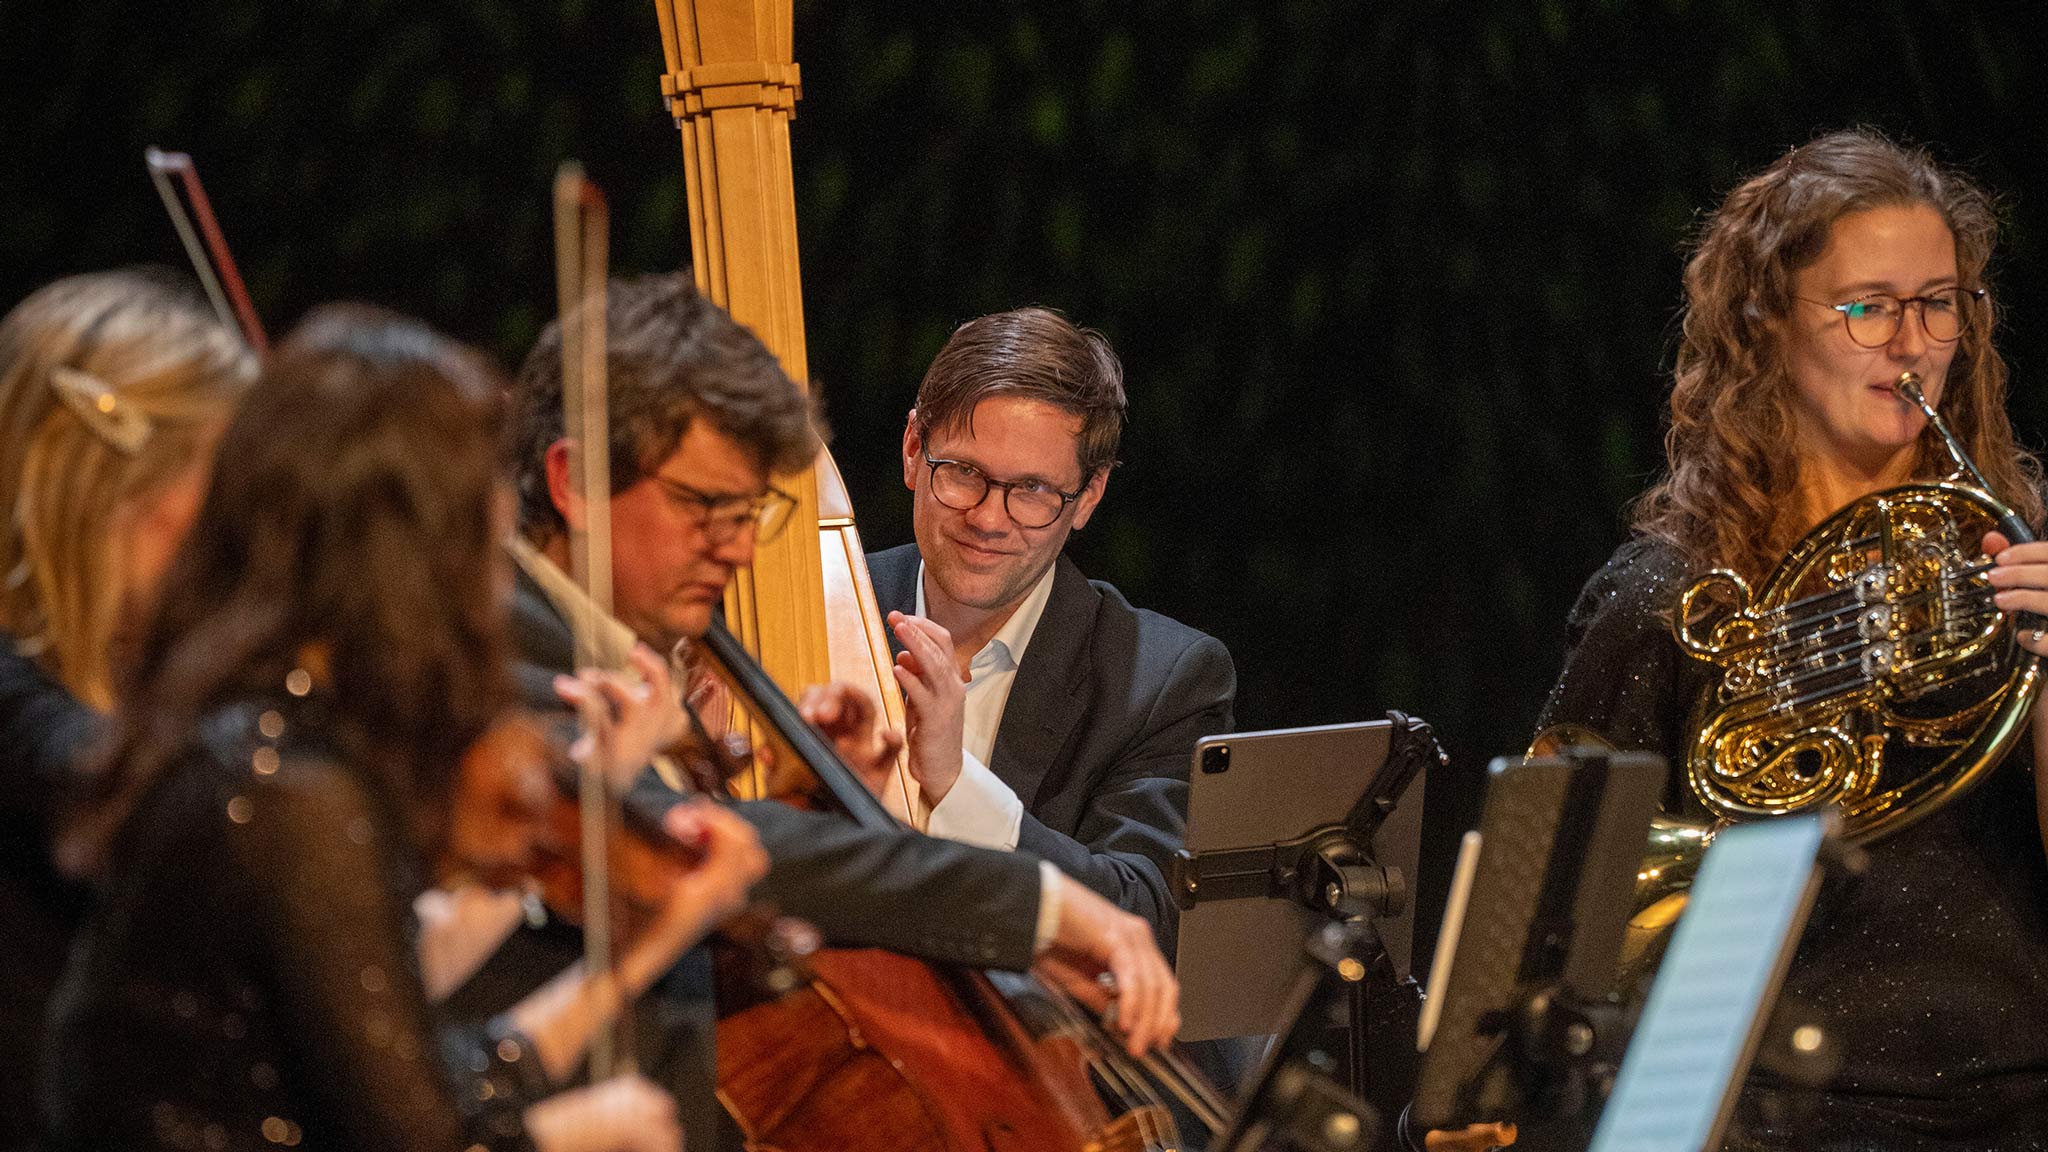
(1393,283)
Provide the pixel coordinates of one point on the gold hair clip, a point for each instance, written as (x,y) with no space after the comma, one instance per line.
(110,418)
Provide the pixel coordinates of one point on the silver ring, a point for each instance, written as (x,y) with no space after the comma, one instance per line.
(2038,635)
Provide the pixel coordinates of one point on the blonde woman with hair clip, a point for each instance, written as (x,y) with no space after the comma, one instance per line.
(113,389)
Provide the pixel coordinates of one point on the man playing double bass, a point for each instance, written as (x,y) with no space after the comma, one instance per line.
(701,415)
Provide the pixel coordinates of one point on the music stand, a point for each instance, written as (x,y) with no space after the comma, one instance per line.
(1519,1011)
(1716,987)
(1289,830)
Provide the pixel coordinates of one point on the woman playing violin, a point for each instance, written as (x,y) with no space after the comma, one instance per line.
(282,782)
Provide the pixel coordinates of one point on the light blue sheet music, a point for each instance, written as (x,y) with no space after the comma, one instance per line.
(1709,1001)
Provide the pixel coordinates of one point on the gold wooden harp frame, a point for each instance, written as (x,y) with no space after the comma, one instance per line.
(806,607)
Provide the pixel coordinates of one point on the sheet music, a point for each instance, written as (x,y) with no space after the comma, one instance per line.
(1715,989)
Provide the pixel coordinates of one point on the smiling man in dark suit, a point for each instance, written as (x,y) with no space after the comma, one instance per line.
(1072,733)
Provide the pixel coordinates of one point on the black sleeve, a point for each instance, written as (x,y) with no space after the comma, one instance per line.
(1624,675)
(1137,815)
(899,889)
(885,888)
(333,904)
(43,732)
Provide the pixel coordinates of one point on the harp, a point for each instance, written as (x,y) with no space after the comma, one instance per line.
(805,608)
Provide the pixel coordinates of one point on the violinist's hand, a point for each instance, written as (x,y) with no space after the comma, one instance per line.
(852,720)
(731,860)
(1472,1138)
(935,699)
(626,721)
(623,1114)
(1094,937)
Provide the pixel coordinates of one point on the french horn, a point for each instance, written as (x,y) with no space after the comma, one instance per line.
(1870,671)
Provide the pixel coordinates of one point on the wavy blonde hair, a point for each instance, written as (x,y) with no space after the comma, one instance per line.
(1729,496)
(65,479)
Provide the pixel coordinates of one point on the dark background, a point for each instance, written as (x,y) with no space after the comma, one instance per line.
(1393,283)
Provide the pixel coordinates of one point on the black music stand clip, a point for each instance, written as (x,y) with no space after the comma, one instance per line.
(1331,869)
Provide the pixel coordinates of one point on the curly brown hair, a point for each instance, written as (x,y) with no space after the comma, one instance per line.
(1728,498)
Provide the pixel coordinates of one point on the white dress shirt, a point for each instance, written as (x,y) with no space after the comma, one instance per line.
(980,808)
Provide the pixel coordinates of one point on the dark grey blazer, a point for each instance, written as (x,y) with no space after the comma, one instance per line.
(1096,735)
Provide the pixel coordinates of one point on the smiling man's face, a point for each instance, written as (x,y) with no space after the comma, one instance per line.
(981,558)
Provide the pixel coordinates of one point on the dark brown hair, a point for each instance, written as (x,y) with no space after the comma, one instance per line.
(671,356)
(1732,455)
(1035,354)
(349,513)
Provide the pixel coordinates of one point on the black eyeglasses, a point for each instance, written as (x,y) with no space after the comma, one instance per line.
(1031,503)
(1874,321)
(724,517)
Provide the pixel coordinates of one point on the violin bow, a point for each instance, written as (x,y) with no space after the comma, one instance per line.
(582,244)
(177,183)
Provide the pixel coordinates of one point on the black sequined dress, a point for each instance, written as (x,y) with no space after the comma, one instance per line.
(247,979)
(1931,970)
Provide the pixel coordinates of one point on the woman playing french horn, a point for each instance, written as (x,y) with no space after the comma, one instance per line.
(1816,284)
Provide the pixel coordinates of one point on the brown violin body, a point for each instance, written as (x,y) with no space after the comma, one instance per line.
(517,819)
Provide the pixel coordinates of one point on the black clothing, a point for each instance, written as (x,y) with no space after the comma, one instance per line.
(859,887)
(43,731)
(1932,971)
(1097,732)
(248,977)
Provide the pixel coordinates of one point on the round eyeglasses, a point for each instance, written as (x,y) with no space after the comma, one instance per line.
(1874,321)
(724,517)
(1031,503)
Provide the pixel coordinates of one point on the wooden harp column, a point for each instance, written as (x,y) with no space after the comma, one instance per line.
(805,608)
